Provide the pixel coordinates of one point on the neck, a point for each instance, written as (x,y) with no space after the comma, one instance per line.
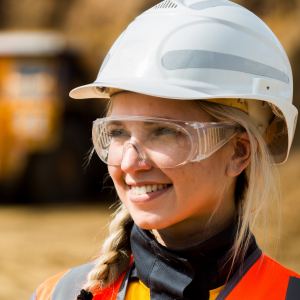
(192,232)
(191,272)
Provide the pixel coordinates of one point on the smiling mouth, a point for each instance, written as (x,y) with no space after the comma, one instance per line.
(149,188)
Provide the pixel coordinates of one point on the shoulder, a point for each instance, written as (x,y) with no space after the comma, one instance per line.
(283,278)
(277,267)
(63,286)
(267,279)
(261,277)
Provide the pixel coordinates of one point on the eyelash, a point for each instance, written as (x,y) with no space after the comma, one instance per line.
(158,131)
(114,133)
(161,130)
(170,131)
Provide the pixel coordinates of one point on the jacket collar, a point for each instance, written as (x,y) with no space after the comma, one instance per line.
(186,274)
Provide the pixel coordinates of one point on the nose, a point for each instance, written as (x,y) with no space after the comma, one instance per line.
(133,160)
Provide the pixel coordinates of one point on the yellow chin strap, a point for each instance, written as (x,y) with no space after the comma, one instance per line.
(232,102)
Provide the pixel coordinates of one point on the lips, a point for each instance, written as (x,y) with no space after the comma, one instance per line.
(144,192)
(149,188)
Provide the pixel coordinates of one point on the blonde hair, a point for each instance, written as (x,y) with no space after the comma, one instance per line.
(254,188)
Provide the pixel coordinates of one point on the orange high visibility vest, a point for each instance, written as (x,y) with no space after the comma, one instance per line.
(266,279)
(260,278)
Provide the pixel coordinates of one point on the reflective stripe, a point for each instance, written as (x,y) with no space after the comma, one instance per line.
(212,3)
(192,59)
(239,274)
(266,279)
(33,296)
(118,289)
(123,287)
(293,290)
(45,290)
(106,59)
(69,286)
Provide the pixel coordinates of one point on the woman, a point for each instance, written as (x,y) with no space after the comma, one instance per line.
(192,175)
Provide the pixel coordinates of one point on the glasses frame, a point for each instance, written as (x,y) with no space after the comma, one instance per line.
(194,130)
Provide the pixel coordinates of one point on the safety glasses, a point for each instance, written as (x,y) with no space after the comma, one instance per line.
(161,143)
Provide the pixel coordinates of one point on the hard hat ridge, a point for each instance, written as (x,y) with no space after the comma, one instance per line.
(193,4)
(210,50)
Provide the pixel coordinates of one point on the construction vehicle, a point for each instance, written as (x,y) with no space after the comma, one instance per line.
(43,140)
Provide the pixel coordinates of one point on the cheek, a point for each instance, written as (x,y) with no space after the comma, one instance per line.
(116,175)
(201,180)
(214,169)
(196,189)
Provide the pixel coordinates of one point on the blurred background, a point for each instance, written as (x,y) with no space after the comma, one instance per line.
(51,209)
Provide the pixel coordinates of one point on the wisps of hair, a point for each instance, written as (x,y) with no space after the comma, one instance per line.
(116,252)
(256,185)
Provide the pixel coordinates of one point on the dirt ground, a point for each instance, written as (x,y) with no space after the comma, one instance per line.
(39,242)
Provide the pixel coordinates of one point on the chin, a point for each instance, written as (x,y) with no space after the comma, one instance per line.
(149,221)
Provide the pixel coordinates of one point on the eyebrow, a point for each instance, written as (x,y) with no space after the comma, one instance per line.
(121,123)
(115,122)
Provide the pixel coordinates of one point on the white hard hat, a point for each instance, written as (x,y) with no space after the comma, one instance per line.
(214,50)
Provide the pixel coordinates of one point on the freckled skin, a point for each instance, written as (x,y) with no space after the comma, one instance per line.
(185,209)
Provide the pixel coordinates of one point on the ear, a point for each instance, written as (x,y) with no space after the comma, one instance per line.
(241,155)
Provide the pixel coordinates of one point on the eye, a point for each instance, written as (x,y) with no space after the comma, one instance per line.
(168,131)
(163,130)
(117,133)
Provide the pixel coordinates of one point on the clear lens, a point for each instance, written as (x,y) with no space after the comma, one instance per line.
(159,144)
(166,145)
(212,136)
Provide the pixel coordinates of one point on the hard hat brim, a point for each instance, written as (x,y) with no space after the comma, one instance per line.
(166,90)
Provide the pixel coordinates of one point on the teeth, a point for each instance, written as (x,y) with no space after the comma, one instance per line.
(147,188)
(143,190)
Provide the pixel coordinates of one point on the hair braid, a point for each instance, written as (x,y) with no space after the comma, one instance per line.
(116,252)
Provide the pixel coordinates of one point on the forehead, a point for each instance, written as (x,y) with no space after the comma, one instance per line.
(133,104)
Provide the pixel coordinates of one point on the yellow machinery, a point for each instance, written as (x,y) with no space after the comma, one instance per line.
(30,104)
(44,135)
